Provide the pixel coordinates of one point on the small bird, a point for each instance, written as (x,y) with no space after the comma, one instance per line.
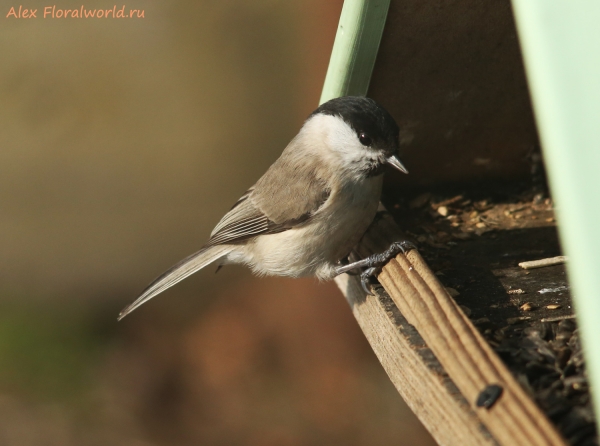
(304,216)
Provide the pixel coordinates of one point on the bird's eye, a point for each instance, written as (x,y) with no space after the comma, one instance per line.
(364,139)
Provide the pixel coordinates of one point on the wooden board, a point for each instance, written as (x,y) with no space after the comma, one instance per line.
(441,375)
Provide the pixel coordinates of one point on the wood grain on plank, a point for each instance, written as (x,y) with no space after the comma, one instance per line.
(414,370)
(462,352)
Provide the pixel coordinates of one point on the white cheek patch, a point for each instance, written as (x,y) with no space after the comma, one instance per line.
(339,138)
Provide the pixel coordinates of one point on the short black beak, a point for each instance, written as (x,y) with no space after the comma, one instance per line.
(395,162)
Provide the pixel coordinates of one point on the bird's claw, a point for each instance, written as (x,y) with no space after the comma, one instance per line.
(365,278)
(376,261)
(395,248)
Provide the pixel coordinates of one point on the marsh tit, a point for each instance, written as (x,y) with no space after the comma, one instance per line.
(312,206)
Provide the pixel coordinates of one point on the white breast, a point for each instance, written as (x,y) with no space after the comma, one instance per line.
(313,249)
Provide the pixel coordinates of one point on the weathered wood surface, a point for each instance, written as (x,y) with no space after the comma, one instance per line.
(414,370)
(442,364)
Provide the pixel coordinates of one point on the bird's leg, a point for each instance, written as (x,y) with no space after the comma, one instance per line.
(375,262)
(377,259)
(345,262)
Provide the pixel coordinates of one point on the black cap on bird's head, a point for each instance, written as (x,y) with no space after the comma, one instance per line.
(373,124)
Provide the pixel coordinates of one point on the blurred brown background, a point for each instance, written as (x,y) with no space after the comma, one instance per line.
(122,143)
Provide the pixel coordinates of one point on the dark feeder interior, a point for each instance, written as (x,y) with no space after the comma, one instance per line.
(476,201)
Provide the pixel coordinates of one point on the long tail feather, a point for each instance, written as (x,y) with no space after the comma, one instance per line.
(177,273)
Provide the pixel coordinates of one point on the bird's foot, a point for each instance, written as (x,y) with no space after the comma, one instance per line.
(375,262)
(394,249)
(365,278)
(345,262)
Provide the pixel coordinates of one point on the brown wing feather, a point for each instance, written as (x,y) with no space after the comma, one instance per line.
(292,189)
(275,204)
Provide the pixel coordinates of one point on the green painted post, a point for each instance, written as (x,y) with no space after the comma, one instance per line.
(561,48)
(355,48)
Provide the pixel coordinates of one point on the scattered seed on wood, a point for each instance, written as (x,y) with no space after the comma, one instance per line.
(466,310)
(420,201)
(516,320)
(544,356)
(480,225)
(559,260)
(558,318)
(462,236)
(488,396)
(481,321)
(443,211)
(447,202)
(518,209)
(553,307)
(553,290)
(452,292)
(527,306)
